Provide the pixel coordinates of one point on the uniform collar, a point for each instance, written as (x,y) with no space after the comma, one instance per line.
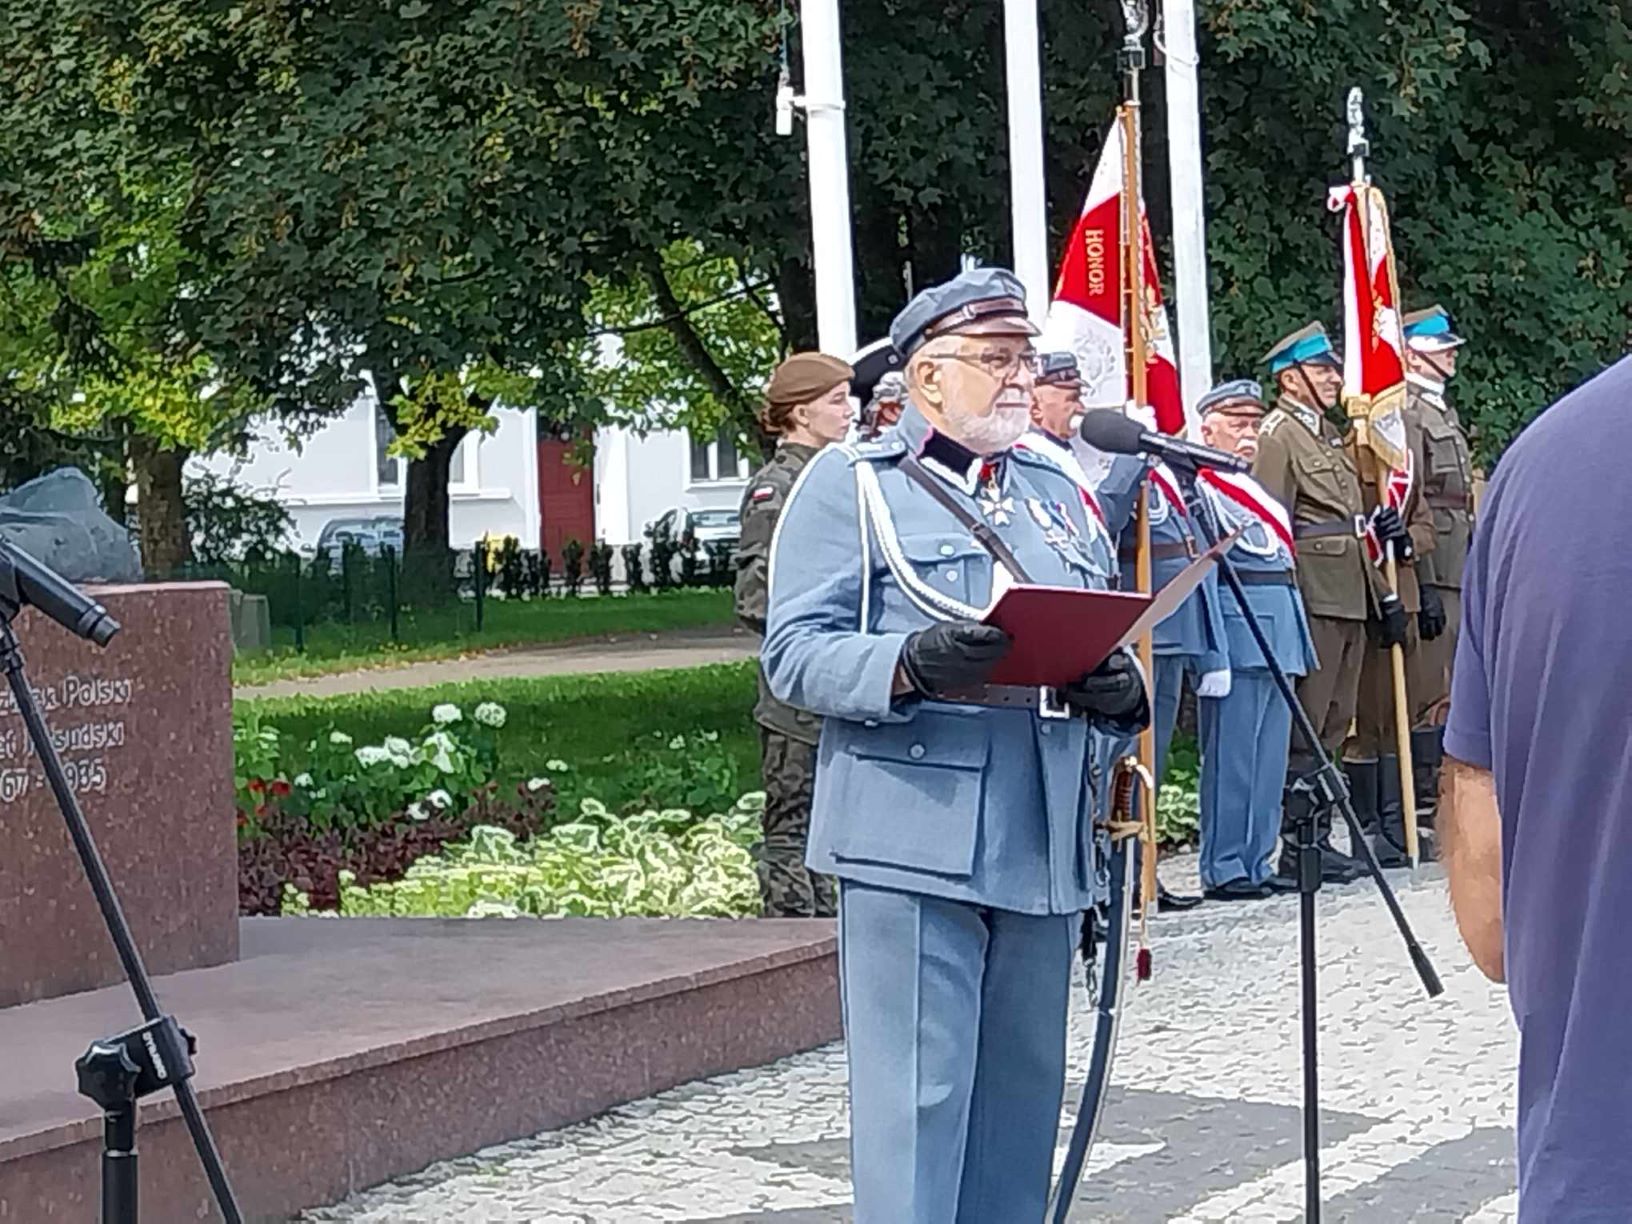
(1430,389)
(958,465)
(799,450)
(1309,418)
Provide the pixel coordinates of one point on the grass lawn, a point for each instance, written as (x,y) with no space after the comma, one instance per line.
(613,730)
(446,633)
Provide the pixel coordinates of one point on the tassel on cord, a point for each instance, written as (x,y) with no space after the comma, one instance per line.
(1143,963)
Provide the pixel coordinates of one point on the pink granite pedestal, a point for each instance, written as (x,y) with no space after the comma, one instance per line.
(144,728)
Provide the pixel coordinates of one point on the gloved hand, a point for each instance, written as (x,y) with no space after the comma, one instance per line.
(952,655)
(1113,691)
(1390,529)
(1391,616)
(1214,684)
(1431,621)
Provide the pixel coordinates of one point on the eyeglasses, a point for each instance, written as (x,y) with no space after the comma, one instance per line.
(1000,366)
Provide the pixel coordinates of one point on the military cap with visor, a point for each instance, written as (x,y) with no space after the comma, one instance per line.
(1307,346)
(1431,331)
(979,302)
(1238,397)
(1058,370)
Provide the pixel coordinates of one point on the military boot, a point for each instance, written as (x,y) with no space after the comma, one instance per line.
(1388,842)
(1362,778)
(1427,751)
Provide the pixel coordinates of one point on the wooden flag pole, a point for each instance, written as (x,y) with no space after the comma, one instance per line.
(1133,263)
(1359,147)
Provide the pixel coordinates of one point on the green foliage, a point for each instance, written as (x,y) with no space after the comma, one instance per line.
(605,726)
(658,863)
(1178,803)
(230,523)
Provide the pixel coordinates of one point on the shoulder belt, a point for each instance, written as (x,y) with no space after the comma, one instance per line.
(982,531)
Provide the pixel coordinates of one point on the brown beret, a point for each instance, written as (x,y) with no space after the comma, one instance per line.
(806,376)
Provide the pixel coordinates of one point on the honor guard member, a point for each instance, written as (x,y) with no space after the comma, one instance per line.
(1246,733)
(1056,405)
(956,814)
(1372,756)
(878,387)
(807,407)
(1303,463)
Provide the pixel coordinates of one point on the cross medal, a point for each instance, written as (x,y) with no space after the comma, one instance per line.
(994,505)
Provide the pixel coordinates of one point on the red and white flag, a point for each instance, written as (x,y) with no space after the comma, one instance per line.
(1373,343)
(1086,318)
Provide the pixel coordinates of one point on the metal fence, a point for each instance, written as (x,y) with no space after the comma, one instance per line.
(353,596)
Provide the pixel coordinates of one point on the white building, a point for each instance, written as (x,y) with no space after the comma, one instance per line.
(511,482)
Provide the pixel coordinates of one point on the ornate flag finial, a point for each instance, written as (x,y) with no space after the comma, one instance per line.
(1359,147)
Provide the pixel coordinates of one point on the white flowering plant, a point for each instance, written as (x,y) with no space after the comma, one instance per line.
(659,863)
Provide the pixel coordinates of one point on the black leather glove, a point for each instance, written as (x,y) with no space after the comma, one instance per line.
(1431,620)
(1391,618)
(953,655)
(1114,690)
(1390,529)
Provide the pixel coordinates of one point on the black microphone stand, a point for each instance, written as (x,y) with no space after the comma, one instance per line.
(115,1072)
(1330,792)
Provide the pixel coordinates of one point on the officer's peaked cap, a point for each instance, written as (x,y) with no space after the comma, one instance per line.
(871,364)
(981,301)
(1431,330)
(1236,394)
(1058,370)
(1307,345)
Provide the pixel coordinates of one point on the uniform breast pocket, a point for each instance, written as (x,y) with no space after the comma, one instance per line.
(911,794)
(1444,450)
(950,564)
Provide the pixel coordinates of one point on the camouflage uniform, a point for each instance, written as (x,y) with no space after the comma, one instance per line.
(787,736)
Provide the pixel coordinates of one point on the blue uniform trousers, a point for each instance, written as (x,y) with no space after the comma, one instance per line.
(955,1017)
(1168,683)
(1244,741)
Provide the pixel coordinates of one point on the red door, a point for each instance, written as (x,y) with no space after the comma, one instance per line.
(566,497)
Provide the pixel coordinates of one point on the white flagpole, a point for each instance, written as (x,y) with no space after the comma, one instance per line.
(1029,205)
(1189,219)
(829,171)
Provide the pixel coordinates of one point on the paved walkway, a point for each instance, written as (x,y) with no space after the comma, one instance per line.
(1205,1126)
(622,652)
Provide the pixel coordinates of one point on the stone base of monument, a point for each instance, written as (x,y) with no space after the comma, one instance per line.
(339,1053)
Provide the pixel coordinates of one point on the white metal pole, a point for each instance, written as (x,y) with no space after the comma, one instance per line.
(1189,220)
(1029,202)
(829,177)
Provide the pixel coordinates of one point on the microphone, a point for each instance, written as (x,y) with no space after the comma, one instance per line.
(1110,431)
(26,582)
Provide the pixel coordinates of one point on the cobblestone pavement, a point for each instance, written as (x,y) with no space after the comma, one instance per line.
(1204,1125)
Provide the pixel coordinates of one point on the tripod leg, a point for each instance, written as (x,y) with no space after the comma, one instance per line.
(1308,886)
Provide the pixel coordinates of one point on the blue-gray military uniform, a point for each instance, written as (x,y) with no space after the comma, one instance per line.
(1245,735)
(962,835)
(1192,639)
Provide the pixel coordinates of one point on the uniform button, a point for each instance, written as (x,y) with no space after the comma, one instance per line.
(916,752)
(952,575)
(946,550)
(1045,728)
(871,722)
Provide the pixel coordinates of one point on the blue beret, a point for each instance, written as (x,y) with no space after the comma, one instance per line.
(989,301)
(1237,391)
(1304,346)
(1058,370)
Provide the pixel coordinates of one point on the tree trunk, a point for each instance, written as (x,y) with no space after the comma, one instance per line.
(427,558)
(796,294)
(161,516)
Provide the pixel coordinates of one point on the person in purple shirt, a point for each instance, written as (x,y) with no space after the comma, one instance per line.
(1537,799)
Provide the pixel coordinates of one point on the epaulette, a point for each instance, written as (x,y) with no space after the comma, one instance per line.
(1271,422)
(876,450)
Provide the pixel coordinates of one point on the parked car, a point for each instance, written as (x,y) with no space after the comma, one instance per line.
(707,527)
(372,535)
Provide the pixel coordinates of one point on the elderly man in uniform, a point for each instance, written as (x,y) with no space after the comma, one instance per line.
(1246,733)
(806,408)
(1302,461)
(956,814)
(1431,345)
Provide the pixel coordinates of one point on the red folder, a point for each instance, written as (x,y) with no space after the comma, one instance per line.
(1062,633)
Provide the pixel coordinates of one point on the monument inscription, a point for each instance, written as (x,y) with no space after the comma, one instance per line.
(144,729)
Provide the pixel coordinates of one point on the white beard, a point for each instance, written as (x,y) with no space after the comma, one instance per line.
(998,430)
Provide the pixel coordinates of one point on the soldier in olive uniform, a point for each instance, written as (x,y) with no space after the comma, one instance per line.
(1447,485)
(1373,762)
(807,408)
(1303,463)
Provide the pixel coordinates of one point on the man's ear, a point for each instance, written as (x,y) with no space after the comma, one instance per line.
(926,382)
